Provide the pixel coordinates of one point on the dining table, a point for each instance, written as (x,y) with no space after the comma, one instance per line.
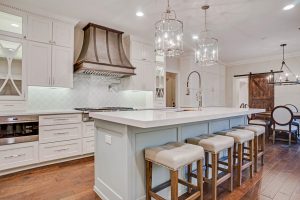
(268,115)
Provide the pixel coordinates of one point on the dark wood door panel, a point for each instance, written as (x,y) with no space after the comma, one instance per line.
(261,94)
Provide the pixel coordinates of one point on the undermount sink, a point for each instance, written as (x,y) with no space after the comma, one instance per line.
(187,109)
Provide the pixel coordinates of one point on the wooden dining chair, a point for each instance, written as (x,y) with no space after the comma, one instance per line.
(296,123)
(282,118)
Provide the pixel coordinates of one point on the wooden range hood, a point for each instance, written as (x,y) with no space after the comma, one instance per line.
(102,53)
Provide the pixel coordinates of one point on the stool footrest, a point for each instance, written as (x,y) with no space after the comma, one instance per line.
(161,186)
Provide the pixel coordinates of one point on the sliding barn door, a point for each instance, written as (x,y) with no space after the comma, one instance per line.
(261,94)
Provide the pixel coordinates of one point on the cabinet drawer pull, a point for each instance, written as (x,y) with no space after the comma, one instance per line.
(15,156)
(59,150)
(61,133)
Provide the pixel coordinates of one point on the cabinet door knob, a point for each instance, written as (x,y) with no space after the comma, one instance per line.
(24,36)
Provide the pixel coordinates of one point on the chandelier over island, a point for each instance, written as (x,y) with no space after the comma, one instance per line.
(169,34)
(287,76)
(206,51)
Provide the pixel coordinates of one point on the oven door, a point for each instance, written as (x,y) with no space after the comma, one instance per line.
(18,129)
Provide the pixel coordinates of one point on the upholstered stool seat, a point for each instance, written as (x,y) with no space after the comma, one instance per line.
(239,135)
(174,156)
(258,122)
(259,142)
(242,137)
(256,129)
(214,144)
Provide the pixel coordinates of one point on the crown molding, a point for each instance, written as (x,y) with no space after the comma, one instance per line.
(262,59)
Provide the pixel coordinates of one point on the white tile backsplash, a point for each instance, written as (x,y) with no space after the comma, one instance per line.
(88,91)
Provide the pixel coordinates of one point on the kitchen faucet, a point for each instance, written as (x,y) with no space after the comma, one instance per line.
(199,93)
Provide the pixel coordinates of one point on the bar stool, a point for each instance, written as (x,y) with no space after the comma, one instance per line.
(242,137)
(259,142)
(214,144)
(174,156)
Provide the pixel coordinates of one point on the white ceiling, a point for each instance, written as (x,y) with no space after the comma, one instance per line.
(246,29)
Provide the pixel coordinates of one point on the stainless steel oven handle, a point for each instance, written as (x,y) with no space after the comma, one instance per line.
(15,156)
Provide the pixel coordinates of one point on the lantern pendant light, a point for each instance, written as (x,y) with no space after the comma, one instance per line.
(169,34)
(206,51)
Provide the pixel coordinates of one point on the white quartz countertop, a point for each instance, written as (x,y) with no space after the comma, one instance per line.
(166,117)
(39,112)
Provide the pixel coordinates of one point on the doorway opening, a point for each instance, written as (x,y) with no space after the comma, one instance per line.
(171,89)
(241,91)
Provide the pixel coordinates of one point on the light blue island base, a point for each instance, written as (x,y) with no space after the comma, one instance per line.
(119,154)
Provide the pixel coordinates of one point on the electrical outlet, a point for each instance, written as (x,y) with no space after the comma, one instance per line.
(108,139)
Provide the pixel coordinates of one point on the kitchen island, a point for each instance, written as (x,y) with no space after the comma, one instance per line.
(121,138)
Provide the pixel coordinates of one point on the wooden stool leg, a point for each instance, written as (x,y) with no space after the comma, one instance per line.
(234,154)
(274,136)
(148,179)
(174,185)
(255,153)
(200,178)
(230,168)
(206,164)
(189,178)
(263,143)
(214,164)
(239,167)
(290,138)
(251,157)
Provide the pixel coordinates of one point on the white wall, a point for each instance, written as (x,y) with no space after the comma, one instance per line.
(213,81)
(283,94)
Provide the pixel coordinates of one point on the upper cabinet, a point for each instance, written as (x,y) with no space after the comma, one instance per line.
(49,31)
(12,23)
(12,68)
(50,52)
(142,57)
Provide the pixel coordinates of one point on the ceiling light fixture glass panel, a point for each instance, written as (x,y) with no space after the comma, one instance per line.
(169,34)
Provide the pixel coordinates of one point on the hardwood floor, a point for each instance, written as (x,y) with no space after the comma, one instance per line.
(278,180)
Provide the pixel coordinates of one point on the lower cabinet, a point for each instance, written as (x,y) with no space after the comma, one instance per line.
(17,155)
(88,145)
(59,150)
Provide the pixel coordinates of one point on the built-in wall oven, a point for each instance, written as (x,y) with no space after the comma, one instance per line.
(19,129)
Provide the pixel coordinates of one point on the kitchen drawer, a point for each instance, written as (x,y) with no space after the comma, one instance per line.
(47,120)
(88,145)
(59,133)
(12,105)
(16,155)
(58,150)
(88,129)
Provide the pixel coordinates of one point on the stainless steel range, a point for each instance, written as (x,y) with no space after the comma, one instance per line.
(86,111)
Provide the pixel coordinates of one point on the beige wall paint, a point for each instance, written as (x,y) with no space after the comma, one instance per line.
(283,94)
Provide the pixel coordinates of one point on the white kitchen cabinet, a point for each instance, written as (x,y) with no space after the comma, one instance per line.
(144,79)
(59,150)
(88,129)
(46,30)
(63,34)
(141,51)
(39,29)
(59,133)
(50,65)
(39,62)
(88,145)
(12,22)
(62,67)
(12,68)
(49,120)
(17,155)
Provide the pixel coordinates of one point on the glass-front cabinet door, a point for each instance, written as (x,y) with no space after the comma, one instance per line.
(12,23)
(12,71)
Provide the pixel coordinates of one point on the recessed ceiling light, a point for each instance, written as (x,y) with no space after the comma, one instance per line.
(288,7)
(139,14)
(15,25)
(195,37)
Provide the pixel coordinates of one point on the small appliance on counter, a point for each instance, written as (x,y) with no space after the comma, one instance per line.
(19,129)
(86,111)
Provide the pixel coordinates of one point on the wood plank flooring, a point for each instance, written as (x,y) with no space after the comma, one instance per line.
(279,179)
